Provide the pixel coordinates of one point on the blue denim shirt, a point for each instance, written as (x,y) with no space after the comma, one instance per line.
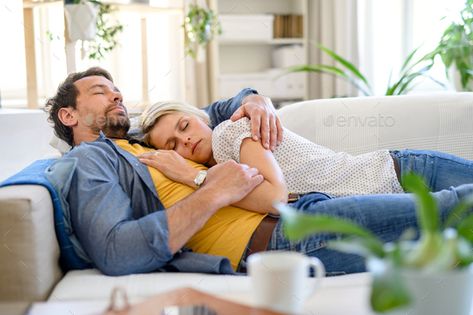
(116,213)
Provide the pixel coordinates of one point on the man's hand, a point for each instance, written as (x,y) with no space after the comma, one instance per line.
(265,124)
(171,164)
(230,182)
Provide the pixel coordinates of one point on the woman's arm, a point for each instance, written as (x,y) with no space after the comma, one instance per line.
(252,153)
(273,188)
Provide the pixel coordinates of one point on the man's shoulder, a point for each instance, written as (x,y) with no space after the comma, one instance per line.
(93,149)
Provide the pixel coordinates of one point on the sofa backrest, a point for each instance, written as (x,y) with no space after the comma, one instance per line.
(440,121)
(24,138)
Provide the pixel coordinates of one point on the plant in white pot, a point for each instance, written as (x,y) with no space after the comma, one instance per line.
(430,275)
(89,20)
(455,48)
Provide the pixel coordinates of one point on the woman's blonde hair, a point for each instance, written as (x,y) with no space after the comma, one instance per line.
(154,112)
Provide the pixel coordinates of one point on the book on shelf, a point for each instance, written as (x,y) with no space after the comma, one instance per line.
(288,26)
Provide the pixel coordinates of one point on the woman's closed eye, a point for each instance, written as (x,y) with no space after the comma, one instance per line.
(184,125)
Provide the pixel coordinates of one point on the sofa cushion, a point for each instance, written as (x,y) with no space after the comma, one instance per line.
(29,253)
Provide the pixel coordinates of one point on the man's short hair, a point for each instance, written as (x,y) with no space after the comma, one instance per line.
(66,96)
(154,112)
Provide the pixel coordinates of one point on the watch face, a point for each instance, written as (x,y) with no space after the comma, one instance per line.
(199,179)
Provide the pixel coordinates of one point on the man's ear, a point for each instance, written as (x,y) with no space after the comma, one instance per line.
(67,116)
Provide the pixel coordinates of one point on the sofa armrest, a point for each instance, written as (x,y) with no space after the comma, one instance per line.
(29,251)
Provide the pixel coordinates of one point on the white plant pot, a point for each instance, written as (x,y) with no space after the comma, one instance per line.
(443,293)
(81,20)
(455,80)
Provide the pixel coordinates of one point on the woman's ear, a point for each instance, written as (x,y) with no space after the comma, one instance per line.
(67,116)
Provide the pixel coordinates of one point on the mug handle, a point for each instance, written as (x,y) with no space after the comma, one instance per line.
(319,272)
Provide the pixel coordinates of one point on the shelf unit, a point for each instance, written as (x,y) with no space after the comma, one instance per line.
(251,59)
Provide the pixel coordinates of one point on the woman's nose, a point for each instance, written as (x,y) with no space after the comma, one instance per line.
(187,141)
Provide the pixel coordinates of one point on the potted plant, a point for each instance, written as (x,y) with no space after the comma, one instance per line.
(431,275)
(88,20)
(201,25)
(455,48)
(411,69)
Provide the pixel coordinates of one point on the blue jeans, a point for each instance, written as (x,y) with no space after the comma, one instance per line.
(386,215)
(439,170)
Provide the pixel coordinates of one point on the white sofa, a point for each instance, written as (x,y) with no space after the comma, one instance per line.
(29,251)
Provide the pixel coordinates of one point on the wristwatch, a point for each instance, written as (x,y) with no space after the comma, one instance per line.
(200,178)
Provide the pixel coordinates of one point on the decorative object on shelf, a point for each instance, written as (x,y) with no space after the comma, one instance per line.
(288,26)
(81,18)
(246,27)
(411,69)
(456,49)
(438,263)
(88,20)
(201,25)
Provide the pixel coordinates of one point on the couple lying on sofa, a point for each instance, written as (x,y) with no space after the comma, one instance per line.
(130,218)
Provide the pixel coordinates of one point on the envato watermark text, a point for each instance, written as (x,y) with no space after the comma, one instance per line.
(359,121)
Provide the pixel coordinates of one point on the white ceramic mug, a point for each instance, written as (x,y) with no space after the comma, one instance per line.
(280,280)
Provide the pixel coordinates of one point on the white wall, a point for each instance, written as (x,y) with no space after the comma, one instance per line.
(24,138)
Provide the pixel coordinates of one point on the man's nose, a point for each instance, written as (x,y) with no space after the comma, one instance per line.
(117,97)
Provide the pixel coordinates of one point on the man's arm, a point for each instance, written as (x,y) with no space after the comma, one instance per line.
(222,110)
(119,243)
(265,124)
(225,184)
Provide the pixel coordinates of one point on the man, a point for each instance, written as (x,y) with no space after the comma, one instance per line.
(115,210)
(123,227)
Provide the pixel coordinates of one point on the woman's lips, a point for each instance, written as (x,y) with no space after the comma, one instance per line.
(195,146)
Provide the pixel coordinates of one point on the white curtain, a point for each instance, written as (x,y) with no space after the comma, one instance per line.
(332,23)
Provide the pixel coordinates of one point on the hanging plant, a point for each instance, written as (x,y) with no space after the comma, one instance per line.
(106,38)
(201,25)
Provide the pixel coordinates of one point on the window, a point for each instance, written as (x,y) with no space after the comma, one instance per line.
(12,54)
(165,53)
(390,29)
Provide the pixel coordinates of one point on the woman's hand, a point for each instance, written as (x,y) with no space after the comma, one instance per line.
(171,164)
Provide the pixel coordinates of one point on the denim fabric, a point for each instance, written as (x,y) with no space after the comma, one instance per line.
(116,214)
(51,174)
(222,110)
(387,216)
(439,170)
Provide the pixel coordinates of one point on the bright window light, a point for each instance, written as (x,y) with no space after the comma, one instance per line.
(390,29)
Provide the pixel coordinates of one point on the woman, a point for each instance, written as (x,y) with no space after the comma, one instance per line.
(296,165)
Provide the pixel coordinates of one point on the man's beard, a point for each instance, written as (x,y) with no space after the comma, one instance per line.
(116,126)
(113,126)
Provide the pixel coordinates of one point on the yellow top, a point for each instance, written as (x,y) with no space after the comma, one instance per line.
(226,233)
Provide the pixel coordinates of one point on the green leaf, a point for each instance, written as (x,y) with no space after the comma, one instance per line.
(351,67)
(447,256)
(427,210)
(388,291)
(465,228)
(319,69)
(298,225)
(408,59)
(332,70)
(425,250)
(459,211)
(359,246)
